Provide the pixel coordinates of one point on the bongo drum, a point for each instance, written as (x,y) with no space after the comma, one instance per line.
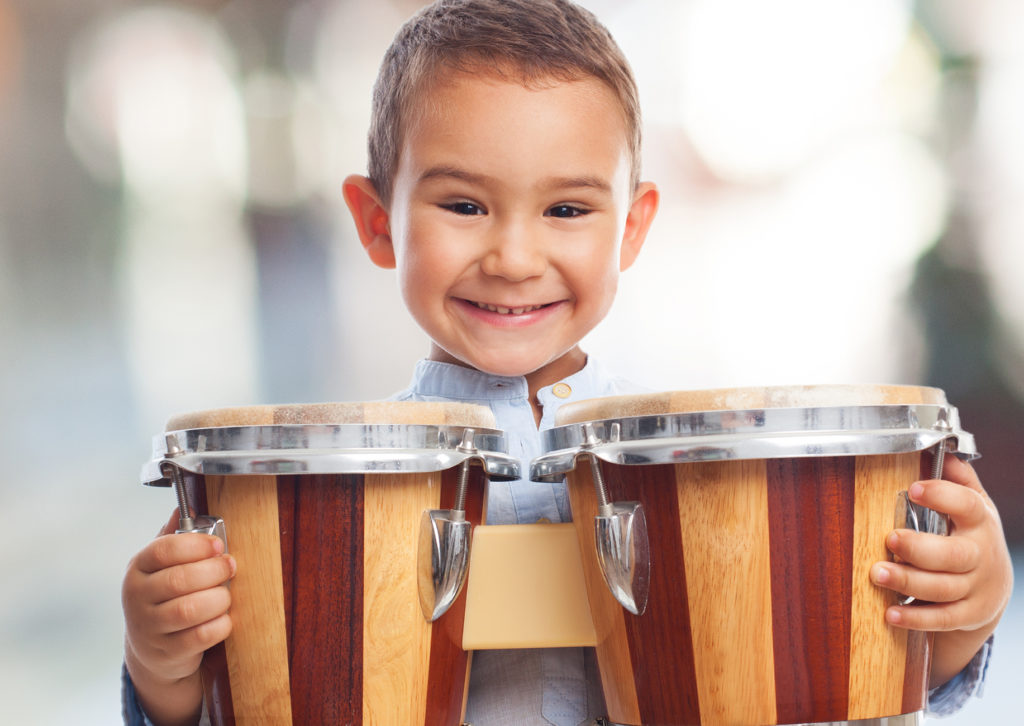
(350,525)
(726,538)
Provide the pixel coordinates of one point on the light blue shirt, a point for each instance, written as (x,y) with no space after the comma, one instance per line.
(557,686)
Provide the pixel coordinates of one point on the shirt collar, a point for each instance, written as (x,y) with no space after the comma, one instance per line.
(448,380)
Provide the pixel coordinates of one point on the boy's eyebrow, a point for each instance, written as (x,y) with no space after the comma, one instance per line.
(452,172)
(552,183)
(577,182)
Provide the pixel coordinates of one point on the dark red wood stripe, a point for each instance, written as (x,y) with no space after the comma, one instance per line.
(810,513)
(214,668)
(448,661)
(321,520)
(660,640)
(919,644)
(916,671)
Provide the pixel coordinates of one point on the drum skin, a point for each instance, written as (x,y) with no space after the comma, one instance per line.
(761,610)
(327,626)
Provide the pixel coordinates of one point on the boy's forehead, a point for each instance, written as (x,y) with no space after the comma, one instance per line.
(432,99)
(471,80)
(497,129)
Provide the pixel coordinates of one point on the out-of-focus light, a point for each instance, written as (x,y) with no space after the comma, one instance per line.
(289,138)
(188,282)
(348,46)
(10,49)
(152,103)
(795,284)
(152,100)
(765,85)
(996,198)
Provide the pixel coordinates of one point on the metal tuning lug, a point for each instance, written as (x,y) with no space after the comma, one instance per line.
(201,524)
(443,550)
(620,537)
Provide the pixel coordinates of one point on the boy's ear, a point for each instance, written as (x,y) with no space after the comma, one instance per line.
(638,221)
(371,218)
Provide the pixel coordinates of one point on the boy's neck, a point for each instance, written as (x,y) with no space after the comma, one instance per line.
(570,362)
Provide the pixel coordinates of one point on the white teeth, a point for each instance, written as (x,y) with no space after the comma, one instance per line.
(505,311)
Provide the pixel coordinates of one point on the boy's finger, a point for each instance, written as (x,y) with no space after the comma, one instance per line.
(965,505)
(934,552)
(200,637)
(935,587)
(961,472)
(177,549)
(179,580)
(934,618)
(190,610)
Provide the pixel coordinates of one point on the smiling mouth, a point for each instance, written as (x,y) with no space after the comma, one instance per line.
(501,310)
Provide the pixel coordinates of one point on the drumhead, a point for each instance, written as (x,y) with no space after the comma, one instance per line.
(373,412)
(746,399)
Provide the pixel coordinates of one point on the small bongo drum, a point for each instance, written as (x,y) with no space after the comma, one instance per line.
(736,528)
(350,524)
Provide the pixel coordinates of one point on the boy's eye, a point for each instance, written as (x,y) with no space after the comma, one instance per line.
(565,211)
(467,208)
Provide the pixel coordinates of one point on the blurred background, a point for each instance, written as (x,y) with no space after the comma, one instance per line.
(843,201)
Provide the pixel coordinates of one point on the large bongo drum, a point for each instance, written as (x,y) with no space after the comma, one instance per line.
(349,523)
(726,538)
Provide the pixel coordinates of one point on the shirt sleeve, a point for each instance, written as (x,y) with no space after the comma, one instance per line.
(950,697)
(131,709)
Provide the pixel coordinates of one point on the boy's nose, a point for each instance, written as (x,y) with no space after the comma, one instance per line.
(514,254)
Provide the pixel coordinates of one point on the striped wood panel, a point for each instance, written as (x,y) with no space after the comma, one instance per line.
(760,605)
(327,623)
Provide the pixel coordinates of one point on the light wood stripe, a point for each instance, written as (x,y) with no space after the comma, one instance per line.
(396,636)
(877,651)
(526,589)
(257,650)
(608,616)
(723,511)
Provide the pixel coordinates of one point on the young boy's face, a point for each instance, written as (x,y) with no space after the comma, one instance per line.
(511,216)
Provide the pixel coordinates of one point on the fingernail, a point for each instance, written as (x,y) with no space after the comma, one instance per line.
(218,545)
(916,490)
(880,574)
(892,615)
(892,540)
(232,565)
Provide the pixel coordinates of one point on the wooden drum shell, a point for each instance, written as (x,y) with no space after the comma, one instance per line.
(327,625)
(760,610)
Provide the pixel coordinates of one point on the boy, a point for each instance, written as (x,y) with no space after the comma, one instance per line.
(504,190)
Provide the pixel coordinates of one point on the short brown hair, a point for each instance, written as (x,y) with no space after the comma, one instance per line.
(526,40)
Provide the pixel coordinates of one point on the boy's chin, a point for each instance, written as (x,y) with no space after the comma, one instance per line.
(557,366)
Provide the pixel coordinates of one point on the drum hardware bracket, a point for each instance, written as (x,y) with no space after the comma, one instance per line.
(443,551)
(940,448)
(620,537)
(172,472)
(202,524)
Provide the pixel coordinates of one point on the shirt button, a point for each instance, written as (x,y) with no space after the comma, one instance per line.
(562,390)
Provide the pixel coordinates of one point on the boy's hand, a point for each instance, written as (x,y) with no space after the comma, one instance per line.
(174,609)
(966,578)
